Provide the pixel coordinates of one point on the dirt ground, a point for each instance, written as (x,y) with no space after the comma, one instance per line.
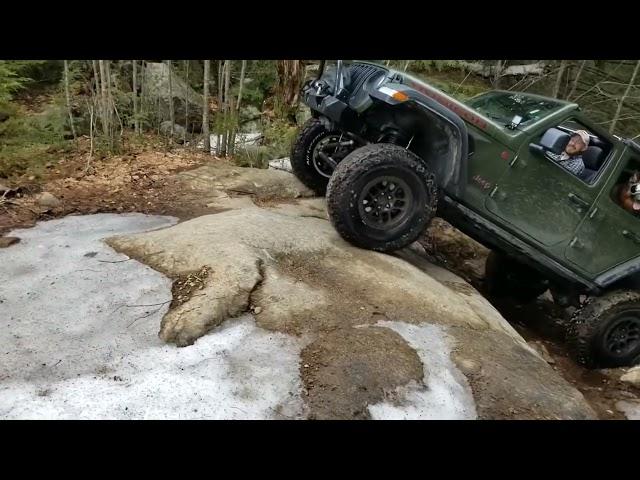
(142,181)
(145,181)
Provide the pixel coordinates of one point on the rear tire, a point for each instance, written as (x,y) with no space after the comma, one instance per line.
(303,163)
(381,197)
(605,332)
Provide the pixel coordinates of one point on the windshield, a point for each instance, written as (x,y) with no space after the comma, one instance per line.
(504,106)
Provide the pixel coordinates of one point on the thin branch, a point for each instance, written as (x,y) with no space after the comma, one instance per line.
(147,305)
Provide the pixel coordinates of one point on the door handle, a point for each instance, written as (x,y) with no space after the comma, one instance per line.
(631,236)
(576,200)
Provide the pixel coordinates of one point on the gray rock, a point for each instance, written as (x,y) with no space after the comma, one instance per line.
(632,376)
(288,261)
(46,199)
(8,241)
(178,131)
(250,127)
(249,111)
(542,350)
(157,88)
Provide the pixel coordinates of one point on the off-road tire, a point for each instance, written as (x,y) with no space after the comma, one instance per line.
(504,277)
(301,155)
(372,163)
(593,323)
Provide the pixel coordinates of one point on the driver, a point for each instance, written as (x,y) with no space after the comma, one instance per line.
(571,158)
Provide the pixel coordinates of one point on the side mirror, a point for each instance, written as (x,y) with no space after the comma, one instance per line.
(554,140)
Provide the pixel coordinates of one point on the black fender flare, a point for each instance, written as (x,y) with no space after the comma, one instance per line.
(453,178)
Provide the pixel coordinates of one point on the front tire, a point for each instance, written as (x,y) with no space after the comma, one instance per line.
(381,197)
(305,164)
(605,332)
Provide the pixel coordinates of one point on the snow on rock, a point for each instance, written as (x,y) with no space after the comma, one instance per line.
(631,409)
(281,164)
(79,337)
(445,394)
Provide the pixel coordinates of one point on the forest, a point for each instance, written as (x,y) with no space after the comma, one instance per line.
(98,108)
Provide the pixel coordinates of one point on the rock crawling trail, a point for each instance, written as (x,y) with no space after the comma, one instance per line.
(263,287)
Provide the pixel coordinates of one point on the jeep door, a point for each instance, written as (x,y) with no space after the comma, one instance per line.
(609,235)
(538,197)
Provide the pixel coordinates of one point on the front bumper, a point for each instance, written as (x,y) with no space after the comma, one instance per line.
(325,104)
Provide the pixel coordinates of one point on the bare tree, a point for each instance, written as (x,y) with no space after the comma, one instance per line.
(576,79)
(205,107)
(66,91)
(556,87)
(616,117)
(136,119)
(186,102)
(290,78)
(235,110)
(225,107)
(171,112)
(96,78)
(91,108)
(104,101)
(242,70)
(497,74)
(219,125)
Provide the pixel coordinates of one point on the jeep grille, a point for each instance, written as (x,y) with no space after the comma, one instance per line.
(360,73)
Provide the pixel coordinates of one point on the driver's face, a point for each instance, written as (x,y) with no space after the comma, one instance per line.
(575,145)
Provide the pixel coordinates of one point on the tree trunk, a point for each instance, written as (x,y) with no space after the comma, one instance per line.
(576,79)
(290,78)
(225,109)
(104,101)
(186,103)
(219,125)
(235,111)
(66,91)
(556,87)
(205,107)
(624,97)
(242,70)
(171,112)
(136,120)
(96,76)
(498,74)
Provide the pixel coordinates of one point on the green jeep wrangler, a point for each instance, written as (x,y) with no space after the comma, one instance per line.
(390,152)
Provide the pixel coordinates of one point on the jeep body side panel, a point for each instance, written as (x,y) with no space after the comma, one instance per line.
(493,236)
(538,197)
(607,243)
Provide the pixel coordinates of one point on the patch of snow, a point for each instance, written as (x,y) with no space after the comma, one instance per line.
(242,139)
(445,394)
(78,337)
(630,409)
(281,164)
